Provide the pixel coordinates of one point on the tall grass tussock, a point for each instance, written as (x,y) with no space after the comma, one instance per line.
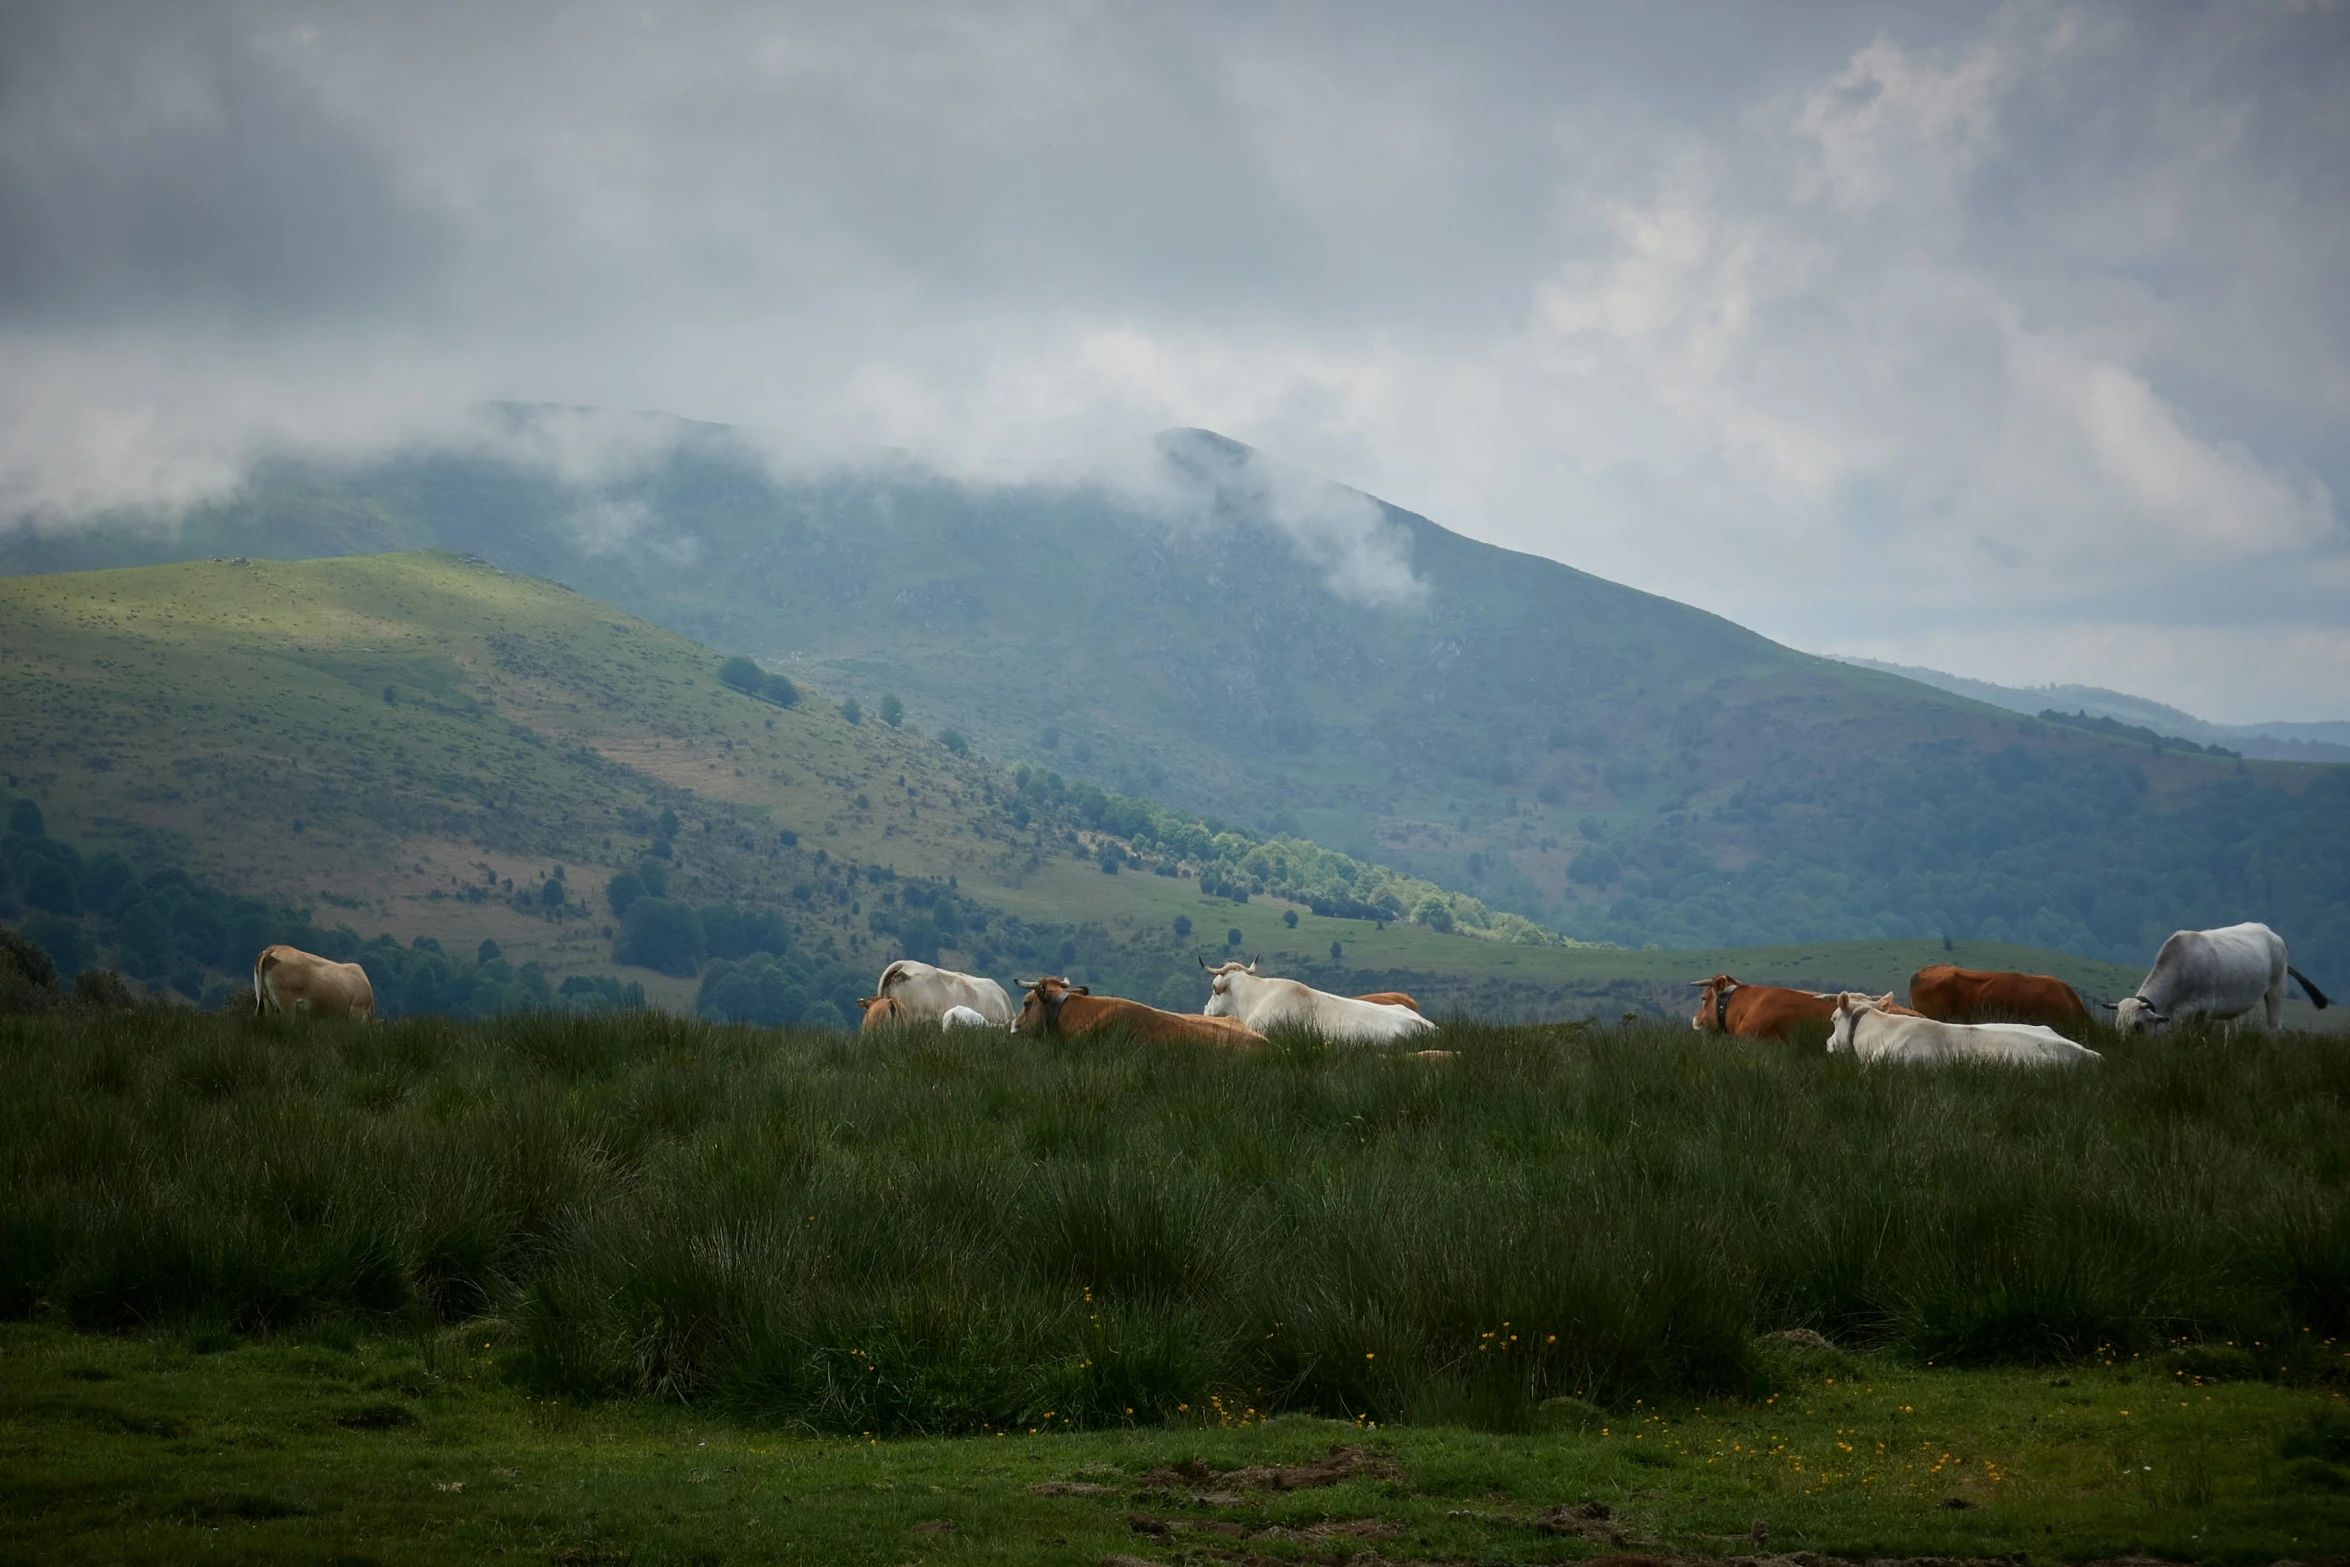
(970,1232)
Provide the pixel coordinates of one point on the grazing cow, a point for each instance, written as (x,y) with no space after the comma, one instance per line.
(1390,998)
(1862,1026)
(287,979)
(926,992)
(2218,974)
(1236,990)
(1054,1006)
(964,1017)
(880,1012)
(1965,995)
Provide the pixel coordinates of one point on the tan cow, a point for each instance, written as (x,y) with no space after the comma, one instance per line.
(1724,1006)
(287,979)
(1965,995)
(1390,998)
(1054,1006)
(881,1012)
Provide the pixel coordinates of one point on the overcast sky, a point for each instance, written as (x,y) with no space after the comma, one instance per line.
(2009,340)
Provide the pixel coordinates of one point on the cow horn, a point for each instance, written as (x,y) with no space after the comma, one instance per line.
(1203,957)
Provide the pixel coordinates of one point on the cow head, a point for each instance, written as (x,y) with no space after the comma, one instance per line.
(1040,1007)
(1221,1001)
(2137,1013)
(1712,996)
(1849,1006)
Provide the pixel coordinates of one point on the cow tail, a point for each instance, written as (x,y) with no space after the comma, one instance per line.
(2317,997)
(261,967)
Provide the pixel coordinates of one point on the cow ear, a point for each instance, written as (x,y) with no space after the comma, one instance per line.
(1081,990)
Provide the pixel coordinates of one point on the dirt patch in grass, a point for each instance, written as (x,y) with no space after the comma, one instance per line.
(1338,1466)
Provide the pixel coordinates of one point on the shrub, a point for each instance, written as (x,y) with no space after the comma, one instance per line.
(893,711)
(743,675)
(622,891)
(953,740)
(850,710)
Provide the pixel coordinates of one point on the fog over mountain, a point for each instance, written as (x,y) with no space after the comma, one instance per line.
(2000,338)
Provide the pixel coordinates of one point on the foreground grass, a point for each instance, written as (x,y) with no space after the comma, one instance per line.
(171,1448)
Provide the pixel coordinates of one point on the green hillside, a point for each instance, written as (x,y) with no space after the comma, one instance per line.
(1615,765)
(429,748)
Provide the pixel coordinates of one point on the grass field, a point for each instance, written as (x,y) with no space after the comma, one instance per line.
(283,1281)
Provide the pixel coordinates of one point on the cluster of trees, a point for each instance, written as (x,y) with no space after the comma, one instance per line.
(746,676)
(2157,743)
(1231,862)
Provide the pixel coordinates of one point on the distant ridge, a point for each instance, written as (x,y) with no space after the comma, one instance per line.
(2276,741)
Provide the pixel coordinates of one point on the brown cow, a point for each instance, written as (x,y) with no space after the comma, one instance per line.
(1724,1006)
(881,1012)
(1965,995)
(1390,998)
(1054,1006)
(287,979)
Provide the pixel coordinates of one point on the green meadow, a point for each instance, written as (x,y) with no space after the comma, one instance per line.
(638,1288)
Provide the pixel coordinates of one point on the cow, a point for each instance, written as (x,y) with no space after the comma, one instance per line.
(287,979)
(2218,974)
(1054,1006)
(1862,1027)
(1724,1006)
(879,1013)
(964,1017)
(1965,995)
(926,992)
(1390,998)
(1237,990)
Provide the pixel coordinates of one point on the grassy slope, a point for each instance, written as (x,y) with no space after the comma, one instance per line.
(165,1449)
(204,707)
(1212,666)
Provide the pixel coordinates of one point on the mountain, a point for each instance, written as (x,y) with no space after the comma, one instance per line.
(463,777)
(2278,741)
(1241,640)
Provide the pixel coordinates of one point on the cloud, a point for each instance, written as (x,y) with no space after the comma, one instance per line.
(2027,317)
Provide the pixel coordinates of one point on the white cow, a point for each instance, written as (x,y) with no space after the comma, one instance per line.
(928,993)
(1860,1026)
(2217,974)
(1238,991)
(963,1017)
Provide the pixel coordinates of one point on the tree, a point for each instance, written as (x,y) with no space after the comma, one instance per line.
(743,674)
(1232,937)
(1432,912)
(1289,918)
(780,691)
(668,822)
(1337,953)
(25,817)
(621,891)
(953,740)
(851,711)
(553,893)
(49,885)
(1183,925)
(893,711)
(488,952)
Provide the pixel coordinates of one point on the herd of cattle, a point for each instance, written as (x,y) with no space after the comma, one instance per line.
(1953,1013)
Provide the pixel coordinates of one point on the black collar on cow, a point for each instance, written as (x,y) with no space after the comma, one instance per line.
(1722,1008)
(1052,1008)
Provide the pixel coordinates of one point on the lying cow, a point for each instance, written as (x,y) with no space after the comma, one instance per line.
(1054,1006)
(1237,990)
(289,980)
(1390,998)
(1965,995)
(927,993)
(1862,1027)
(1724,1006)
(2218,974)
(882,1012)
